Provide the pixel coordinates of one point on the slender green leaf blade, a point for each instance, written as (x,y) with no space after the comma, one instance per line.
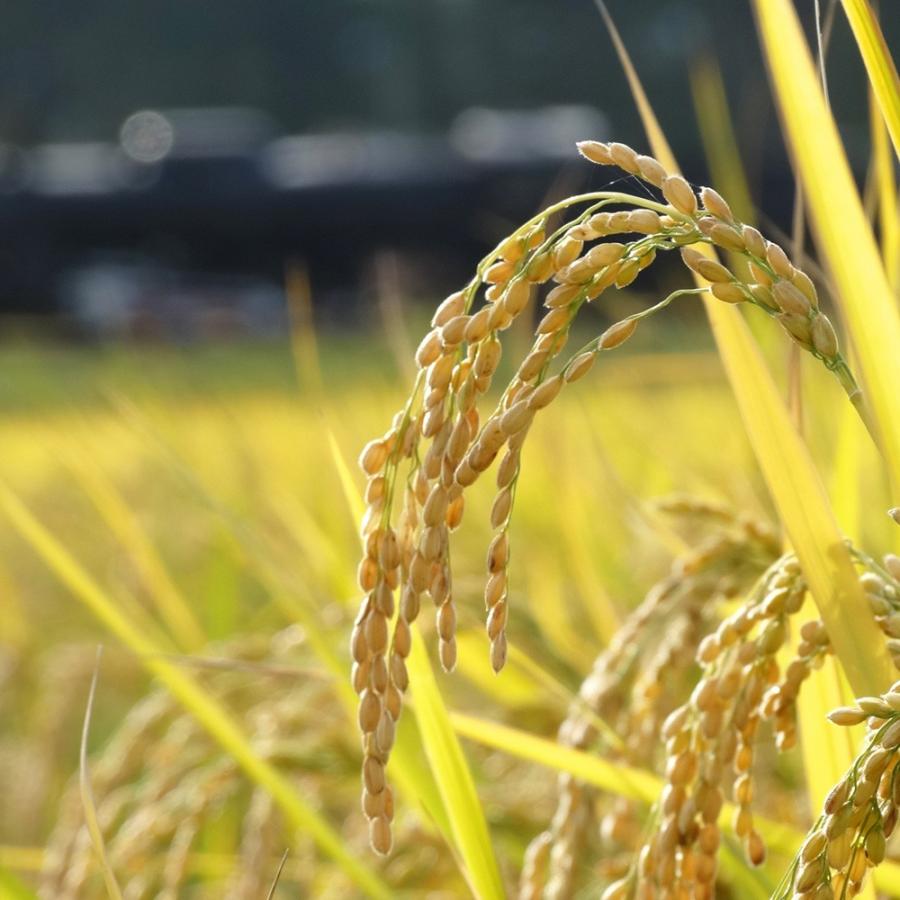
(454,779)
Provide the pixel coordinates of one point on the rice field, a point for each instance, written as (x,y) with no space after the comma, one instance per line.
(261,569)
(263,635)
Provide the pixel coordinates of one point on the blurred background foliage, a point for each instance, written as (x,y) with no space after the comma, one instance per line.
(74,73)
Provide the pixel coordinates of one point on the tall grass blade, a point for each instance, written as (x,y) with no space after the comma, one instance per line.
(844,237)
(828,752)
(87,793)
(277,877)
(206,710)
(618,779)
(411,773)
(786,465)
(879,65)
(455,783)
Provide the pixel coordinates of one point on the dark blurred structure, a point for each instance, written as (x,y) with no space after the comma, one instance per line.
(189,221)
(183,218)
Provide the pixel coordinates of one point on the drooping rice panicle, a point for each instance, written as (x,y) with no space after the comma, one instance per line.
(444,438)
(859,814)
(633,686)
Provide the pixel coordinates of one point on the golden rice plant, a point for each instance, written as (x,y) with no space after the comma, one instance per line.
(449,432)
(672,760)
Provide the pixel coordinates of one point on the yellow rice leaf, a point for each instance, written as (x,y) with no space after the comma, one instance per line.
(828,752)
(214,717)
(879,64)
(726,167)
(21,859)
(886,189)
(454,779)
(351,492)
(627,781)
(787,467)
(843,235)
(410,772)
(618,779)
(804,510)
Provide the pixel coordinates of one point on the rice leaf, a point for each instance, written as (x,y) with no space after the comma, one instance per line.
(626,781)
(454,779)
(277,877)
(843,235)
(410,771)
(804,509)
(351,492)
(621,780)
(886,190)
(879,64)
(829,752)
(304,344)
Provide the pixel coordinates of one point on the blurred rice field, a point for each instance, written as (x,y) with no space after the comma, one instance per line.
(209,492)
